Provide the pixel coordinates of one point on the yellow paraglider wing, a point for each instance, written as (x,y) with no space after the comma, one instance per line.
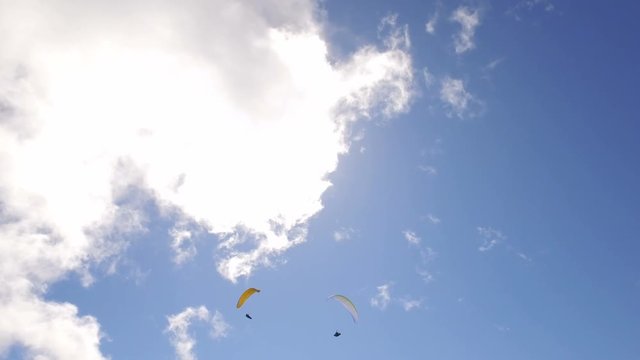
(245,295)
(348,305)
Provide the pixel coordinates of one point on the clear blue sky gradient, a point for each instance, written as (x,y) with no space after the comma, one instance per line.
(551,161)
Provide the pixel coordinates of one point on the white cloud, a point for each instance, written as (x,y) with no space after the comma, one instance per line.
(411,237)
(48,330)
(383,298)
(431,170)
(427,254)
(490,67)
(219,327)
(430,25)
(233,133)
(182,245)
(137,275)
(456,98)
(429,78)
(529,5)
(425,275)
(493,64)
(490,238)
(409,304)
(396,36)
(433,219)
(178,329)
(343,234)
(182,339)
(524,257)
(469,20)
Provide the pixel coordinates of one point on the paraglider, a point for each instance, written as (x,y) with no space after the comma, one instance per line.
(243,298)
(347,304)
(245,295)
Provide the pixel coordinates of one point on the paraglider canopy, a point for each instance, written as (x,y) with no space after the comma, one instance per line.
(347,304)
(245,295)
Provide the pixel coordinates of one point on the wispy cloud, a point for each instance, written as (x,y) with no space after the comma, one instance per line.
(469,20)
(394,35)
(219,327)
(522,6)
(524,257)
(456,98)
(429,78)
(130,269)
(182,339)
(425,275)
(411,237)
(182,245)
(178,329)
(490,238)
(490,67)
(409,304)
(493,64)
(383,298)
(433,219)
(427,254)
(357,137)
(344,233)
(430,25)
(431,170)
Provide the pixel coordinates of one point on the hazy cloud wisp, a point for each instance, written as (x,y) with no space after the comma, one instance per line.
(490,238)
(469,20)
(456,98)
(382,299)
(182,339)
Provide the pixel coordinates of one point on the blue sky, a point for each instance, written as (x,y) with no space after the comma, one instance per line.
(465,172)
